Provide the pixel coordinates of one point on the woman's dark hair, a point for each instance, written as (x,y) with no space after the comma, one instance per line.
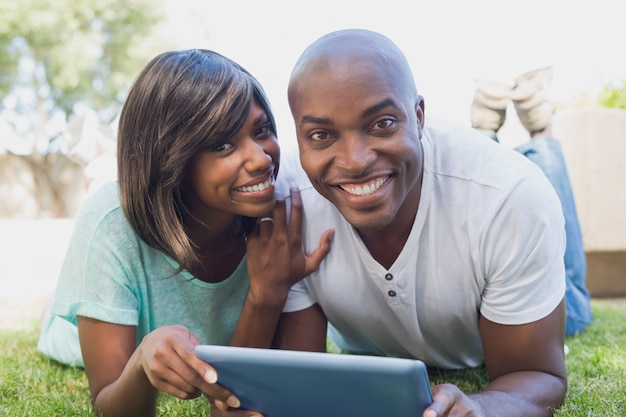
(182,103)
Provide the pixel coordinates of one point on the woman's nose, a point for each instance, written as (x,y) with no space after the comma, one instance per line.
(257,159)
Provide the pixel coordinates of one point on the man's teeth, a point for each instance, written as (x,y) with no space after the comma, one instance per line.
(256,187)
(366,189)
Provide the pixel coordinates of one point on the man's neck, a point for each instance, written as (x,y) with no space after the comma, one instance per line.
(385,247)
(386,244)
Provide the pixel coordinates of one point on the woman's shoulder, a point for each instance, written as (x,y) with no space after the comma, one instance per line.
(105,197)
(101,210)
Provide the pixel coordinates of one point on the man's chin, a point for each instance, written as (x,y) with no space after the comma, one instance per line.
(365,221)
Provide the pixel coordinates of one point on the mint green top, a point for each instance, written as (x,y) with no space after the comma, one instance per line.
(111,275)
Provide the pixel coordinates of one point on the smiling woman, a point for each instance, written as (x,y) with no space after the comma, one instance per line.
(170,255)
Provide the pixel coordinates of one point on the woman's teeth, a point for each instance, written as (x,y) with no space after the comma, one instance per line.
(256,187)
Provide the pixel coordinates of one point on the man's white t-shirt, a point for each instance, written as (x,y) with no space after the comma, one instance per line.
(488,239)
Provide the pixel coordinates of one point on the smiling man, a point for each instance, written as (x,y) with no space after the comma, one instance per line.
(448,247)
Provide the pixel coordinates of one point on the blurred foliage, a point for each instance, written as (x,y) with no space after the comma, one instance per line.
(56,56)
(613,95)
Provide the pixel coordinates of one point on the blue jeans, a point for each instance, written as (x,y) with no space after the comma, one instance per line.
(546,152)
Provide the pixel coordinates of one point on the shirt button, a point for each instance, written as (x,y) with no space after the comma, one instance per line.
(388,277)
(391,293)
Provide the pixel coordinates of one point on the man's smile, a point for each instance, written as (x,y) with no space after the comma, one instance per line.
(365,189)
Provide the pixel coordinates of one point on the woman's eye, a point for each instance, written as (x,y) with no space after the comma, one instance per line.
(321,135)
(222,147)
(263,131)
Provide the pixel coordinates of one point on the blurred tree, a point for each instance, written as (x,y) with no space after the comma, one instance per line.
(58,58)
(613,95)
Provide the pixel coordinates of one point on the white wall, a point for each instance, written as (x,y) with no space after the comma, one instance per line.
(594,145)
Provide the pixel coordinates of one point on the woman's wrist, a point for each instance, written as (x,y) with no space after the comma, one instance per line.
(271,298)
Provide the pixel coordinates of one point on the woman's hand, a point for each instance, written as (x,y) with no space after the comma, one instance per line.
(168,359)
(276,259)
(125,379)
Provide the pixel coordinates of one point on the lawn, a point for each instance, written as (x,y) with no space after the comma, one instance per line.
(31,385)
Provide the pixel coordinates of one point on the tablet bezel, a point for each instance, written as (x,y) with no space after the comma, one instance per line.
(282,383)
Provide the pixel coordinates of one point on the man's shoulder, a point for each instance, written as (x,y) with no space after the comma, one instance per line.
(461,152)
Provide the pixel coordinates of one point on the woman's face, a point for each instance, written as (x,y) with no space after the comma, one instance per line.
(236,177)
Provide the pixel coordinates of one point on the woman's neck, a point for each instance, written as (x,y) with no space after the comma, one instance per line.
(218,248)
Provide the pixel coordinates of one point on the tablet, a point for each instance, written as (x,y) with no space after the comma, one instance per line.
(283,383)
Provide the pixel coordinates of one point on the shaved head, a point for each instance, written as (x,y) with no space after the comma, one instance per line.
(346,52)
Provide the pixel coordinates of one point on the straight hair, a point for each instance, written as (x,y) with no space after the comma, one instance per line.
(182,103)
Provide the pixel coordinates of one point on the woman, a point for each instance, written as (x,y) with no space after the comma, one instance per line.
(172,256)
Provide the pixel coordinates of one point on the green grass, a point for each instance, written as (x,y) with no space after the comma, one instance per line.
(31,385)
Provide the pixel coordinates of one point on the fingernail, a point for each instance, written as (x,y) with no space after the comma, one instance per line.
(210,376)
(219,404)
(233,401)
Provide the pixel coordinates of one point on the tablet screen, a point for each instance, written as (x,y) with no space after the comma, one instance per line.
(282,383)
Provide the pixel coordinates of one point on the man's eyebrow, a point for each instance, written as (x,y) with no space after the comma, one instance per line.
(366,113)
(316,120)
(379,106)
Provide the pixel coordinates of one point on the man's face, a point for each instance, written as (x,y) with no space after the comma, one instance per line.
(359,140)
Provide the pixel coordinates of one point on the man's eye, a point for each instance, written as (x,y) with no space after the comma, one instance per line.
(222,147)
(319,135)
(383,124)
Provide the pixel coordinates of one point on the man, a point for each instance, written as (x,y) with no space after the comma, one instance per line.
(448,247)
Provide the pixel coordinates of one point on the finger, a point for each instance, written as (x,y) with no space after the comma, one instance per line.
(443,401)
(429,412)
(280,213)
(265,223)
(219,409)
(174,385)
(200,374)
(164,377)
(295,219)
(315,258)
(221,405)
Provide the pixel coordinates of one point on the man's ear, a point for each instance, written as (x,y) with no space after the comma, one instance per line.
(419,111)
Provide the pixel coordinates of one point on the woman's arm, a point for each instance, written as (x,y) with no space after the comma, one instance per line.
(276,261)
(125,381)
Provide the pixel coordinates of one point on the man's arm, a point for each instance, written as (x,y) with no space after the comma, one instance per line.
(302,330)
(526,368)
